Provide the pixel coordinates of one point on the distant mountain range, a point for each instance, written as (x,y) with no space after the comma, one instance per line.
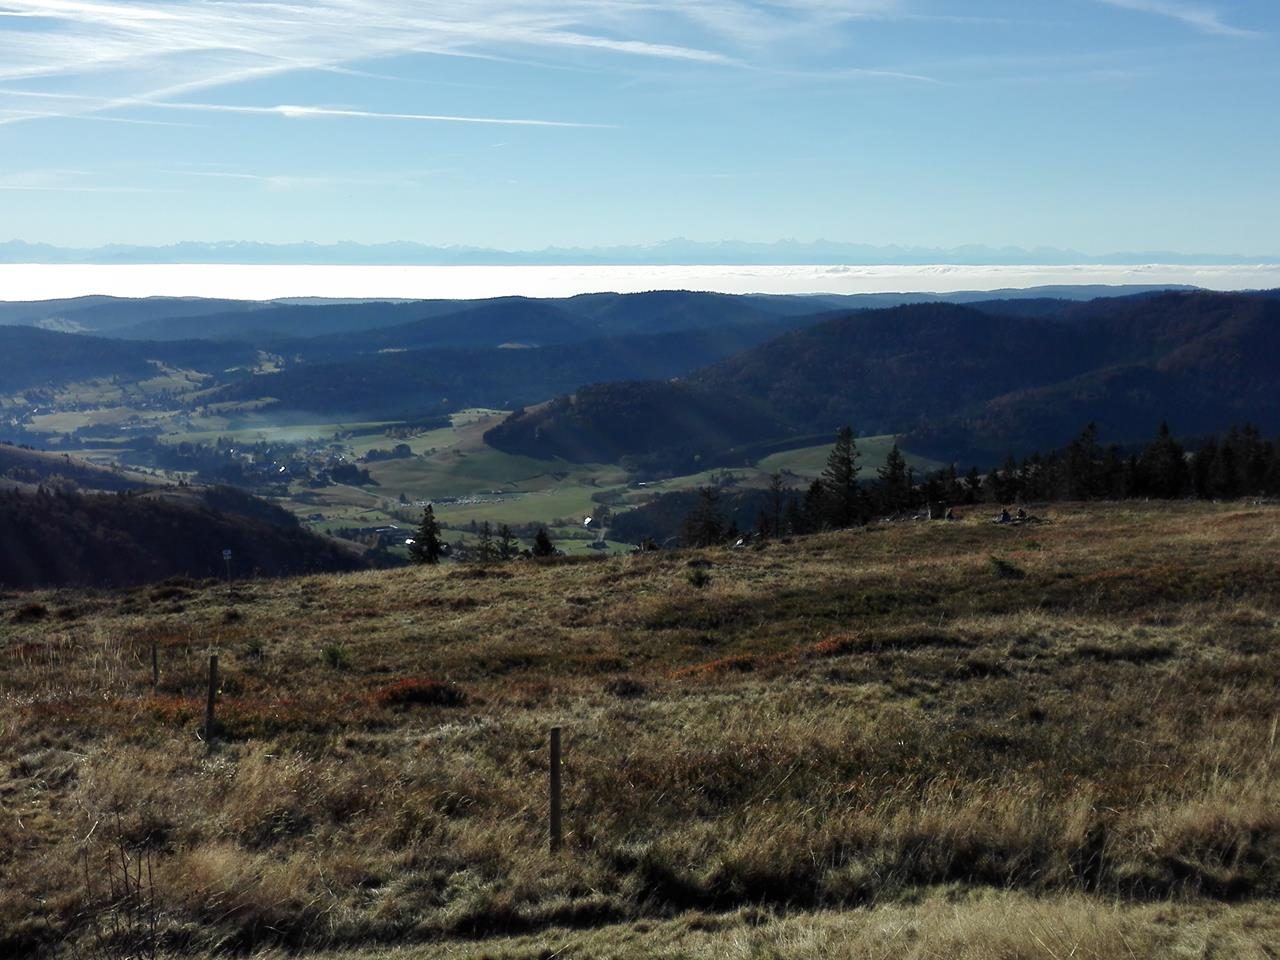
(673,252)
(591,314)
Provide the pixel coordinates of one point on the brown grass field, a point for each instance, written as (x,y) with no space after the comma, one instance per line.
(919,740)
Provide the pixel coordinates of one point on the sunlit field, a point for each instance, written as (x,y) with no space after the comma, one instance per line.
(916,739)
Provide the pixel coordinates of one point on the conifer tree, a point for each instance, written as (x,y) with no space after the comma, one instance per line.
(814,511)
(972,486)
(705,526)
(795,522)
(840,492)
(895,486)
(508,546)
(426,546)
(1163,466)
(484,548)
(777,498)
(542,545)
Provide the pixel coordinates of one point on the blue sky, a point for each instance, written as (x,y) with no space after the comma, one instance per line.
(1099,125)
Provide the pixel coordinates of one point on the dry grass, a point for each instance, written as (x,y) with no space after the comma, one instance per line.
(846,721)
(948,926)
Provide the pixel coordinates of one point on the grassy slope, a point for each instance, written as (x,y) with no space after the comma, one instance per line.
(851,719)
(540,491)
(811,461)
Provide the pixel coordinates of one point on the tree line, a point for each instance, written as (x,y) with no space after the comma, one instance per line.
(493,545)
(1239,463)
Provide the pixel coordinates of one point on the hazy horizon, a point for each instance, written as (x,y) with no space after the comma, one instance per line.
(21,282)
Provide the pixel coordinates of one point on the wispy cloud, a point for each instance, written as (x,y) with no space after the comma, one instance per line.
(1204,19)
(302,112)
(60,181)
(296,181)
(120,48)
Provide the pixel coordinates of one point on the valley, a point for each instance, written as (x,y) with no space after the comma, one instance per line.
(525,413)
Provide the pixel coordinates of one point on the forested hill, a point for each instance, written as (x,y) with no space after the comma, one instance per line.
(320,331)
(593,314)
(963,380)
(105,315)
(24,466)
(30,357)
(417,383)
(71,539)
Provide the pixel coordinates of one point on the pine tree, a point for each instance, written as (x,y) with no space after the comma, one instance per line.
(895,489)
(508,546)
(705,526)
(973,486)
(426,546)
(840,482)
(542,545)
(814,510)
(795,522)
(1079,481)
(777,498)
(484,548)
(1004,482)
(1203,469)
(1163,466)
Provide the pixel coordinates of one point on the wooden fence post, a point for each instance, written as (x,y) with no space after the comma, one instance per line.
(155,668)
(557,834)
(213,692)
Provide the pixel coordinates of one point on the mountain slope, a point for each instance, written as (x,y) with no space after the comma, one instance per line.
(284,321)
(32,357)
(28,466)
(415,383)
(99,314)
(65,539)
(959,379)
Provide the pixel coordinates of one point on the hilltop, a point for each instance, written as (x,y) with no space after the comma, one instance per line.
(960,738)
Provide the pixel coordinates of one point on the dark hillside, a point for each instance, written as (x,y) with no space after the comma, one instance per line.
(662,310)
(98,314)
(37,466)
(30,357)
(333,331)
(521,320)
(1202,362)
(491,324)
(878,368)
(414,383)
(962,380)
(885,371)
(279,321)
(68,539)
(645,424)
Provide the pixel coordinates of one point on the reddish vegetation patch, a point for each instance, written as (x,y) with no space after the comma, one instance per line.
(414,691)
(243,718)
(836,645)
(174,711)
(714,667)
